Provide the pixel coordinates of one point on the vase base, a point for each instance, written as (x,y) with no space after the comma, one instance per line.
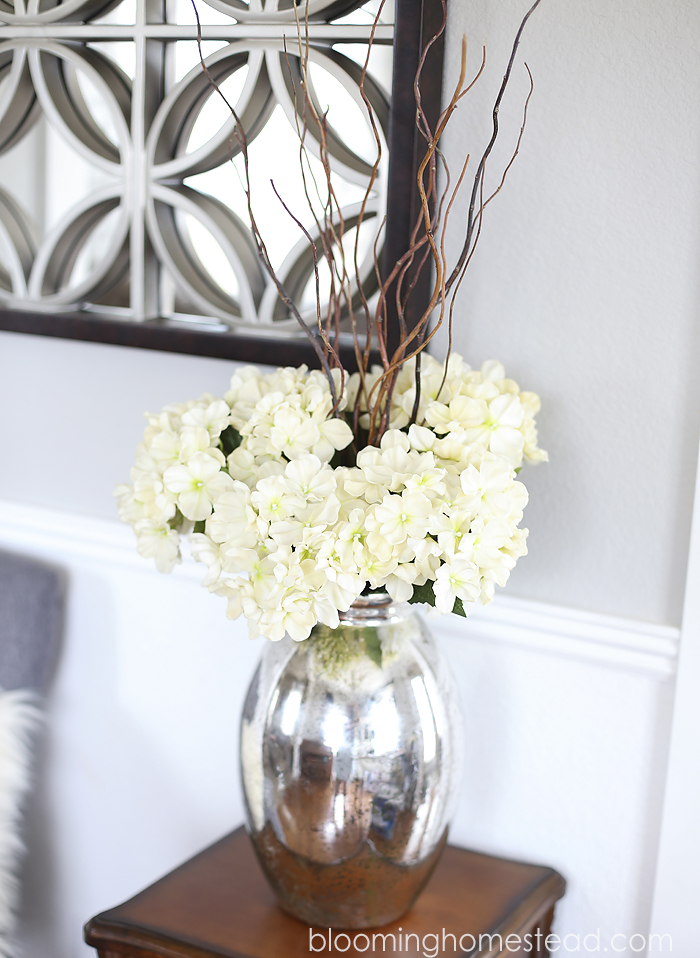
(367,890)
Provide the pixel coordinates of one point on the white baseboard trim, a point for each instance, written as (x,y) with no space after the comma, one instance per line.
(555,630)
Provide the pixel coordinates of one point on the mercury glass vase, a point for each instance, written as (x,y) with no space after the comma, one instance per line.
(351,750)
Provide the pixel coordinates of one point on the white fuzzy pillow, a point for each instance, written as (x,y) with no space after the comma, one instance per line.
(19,716)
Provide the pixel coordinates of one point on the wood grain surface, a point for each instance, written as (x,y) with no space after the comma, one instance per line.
(219,904)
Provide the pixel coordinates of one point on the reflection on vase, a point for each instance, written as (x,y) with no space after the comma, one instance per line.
(351,751)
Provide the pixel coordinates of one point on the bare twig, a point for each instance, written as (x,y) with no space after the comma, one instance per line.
(482,162)
(240,135)
(426,246)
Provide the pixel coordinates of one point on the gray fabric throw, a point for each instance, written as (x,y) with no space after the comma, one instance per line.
(31,620)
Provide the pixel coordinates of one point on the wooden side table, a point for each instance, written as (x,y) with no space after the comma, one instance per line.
(219,904)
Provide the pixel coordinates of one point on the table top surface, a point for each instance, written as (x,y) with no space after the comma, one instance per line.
(219,904)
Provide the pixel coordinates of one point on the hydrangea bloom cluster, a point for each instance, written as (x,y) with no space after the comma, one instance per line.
(292,538)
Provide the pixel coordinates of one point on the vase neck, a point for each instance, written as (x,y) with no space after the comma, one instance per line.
(377,609)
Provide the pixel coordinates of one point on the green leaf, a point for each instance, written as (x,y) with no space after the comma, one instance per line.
(230,439)
(423,593)
(368,590)
(199,525)
(458,608)
(373,645)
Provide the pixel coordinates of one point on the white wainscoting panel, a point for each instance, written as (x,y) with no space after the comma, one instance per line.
(677,880)
(566,715)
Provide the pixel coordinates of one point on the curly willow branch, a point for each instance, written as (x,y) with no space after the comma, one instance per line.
(426,244)
(241,139)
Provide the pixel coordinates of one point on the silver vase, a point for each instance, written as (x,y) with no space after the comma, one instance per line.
(351,749)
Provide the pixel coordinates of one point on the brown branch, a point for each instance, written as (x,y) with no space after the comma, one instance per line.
(240,135)
(426,242)
(517,145)
(318,294)
(364,365)
(494,136)
(387,381)
(442,245)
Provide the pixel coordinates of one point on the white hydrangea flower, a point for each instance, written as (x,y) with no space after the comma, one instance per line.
(197,485)
(272,499)
(427,478)
(288,540)
(156,540)
(489,489)
(402,517)
(375,570)
(399,584)
(130,509)
(499,427)
(334,435)
(449,528)
(421,438)
(456,579)
(293,433)
(307,525)
(483,543)
(207,551)
(197,439)
(360,487)
(309,479)
(165,448)
(234,517)
(242,465)
(214,417)
(460,413)
(157,501)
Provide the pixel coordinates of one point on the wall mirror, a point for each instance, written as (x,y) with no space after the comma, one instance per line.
(122,215)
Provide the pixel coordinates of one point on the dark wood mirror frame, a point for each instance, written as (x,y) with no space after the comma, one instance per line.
(417,21)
